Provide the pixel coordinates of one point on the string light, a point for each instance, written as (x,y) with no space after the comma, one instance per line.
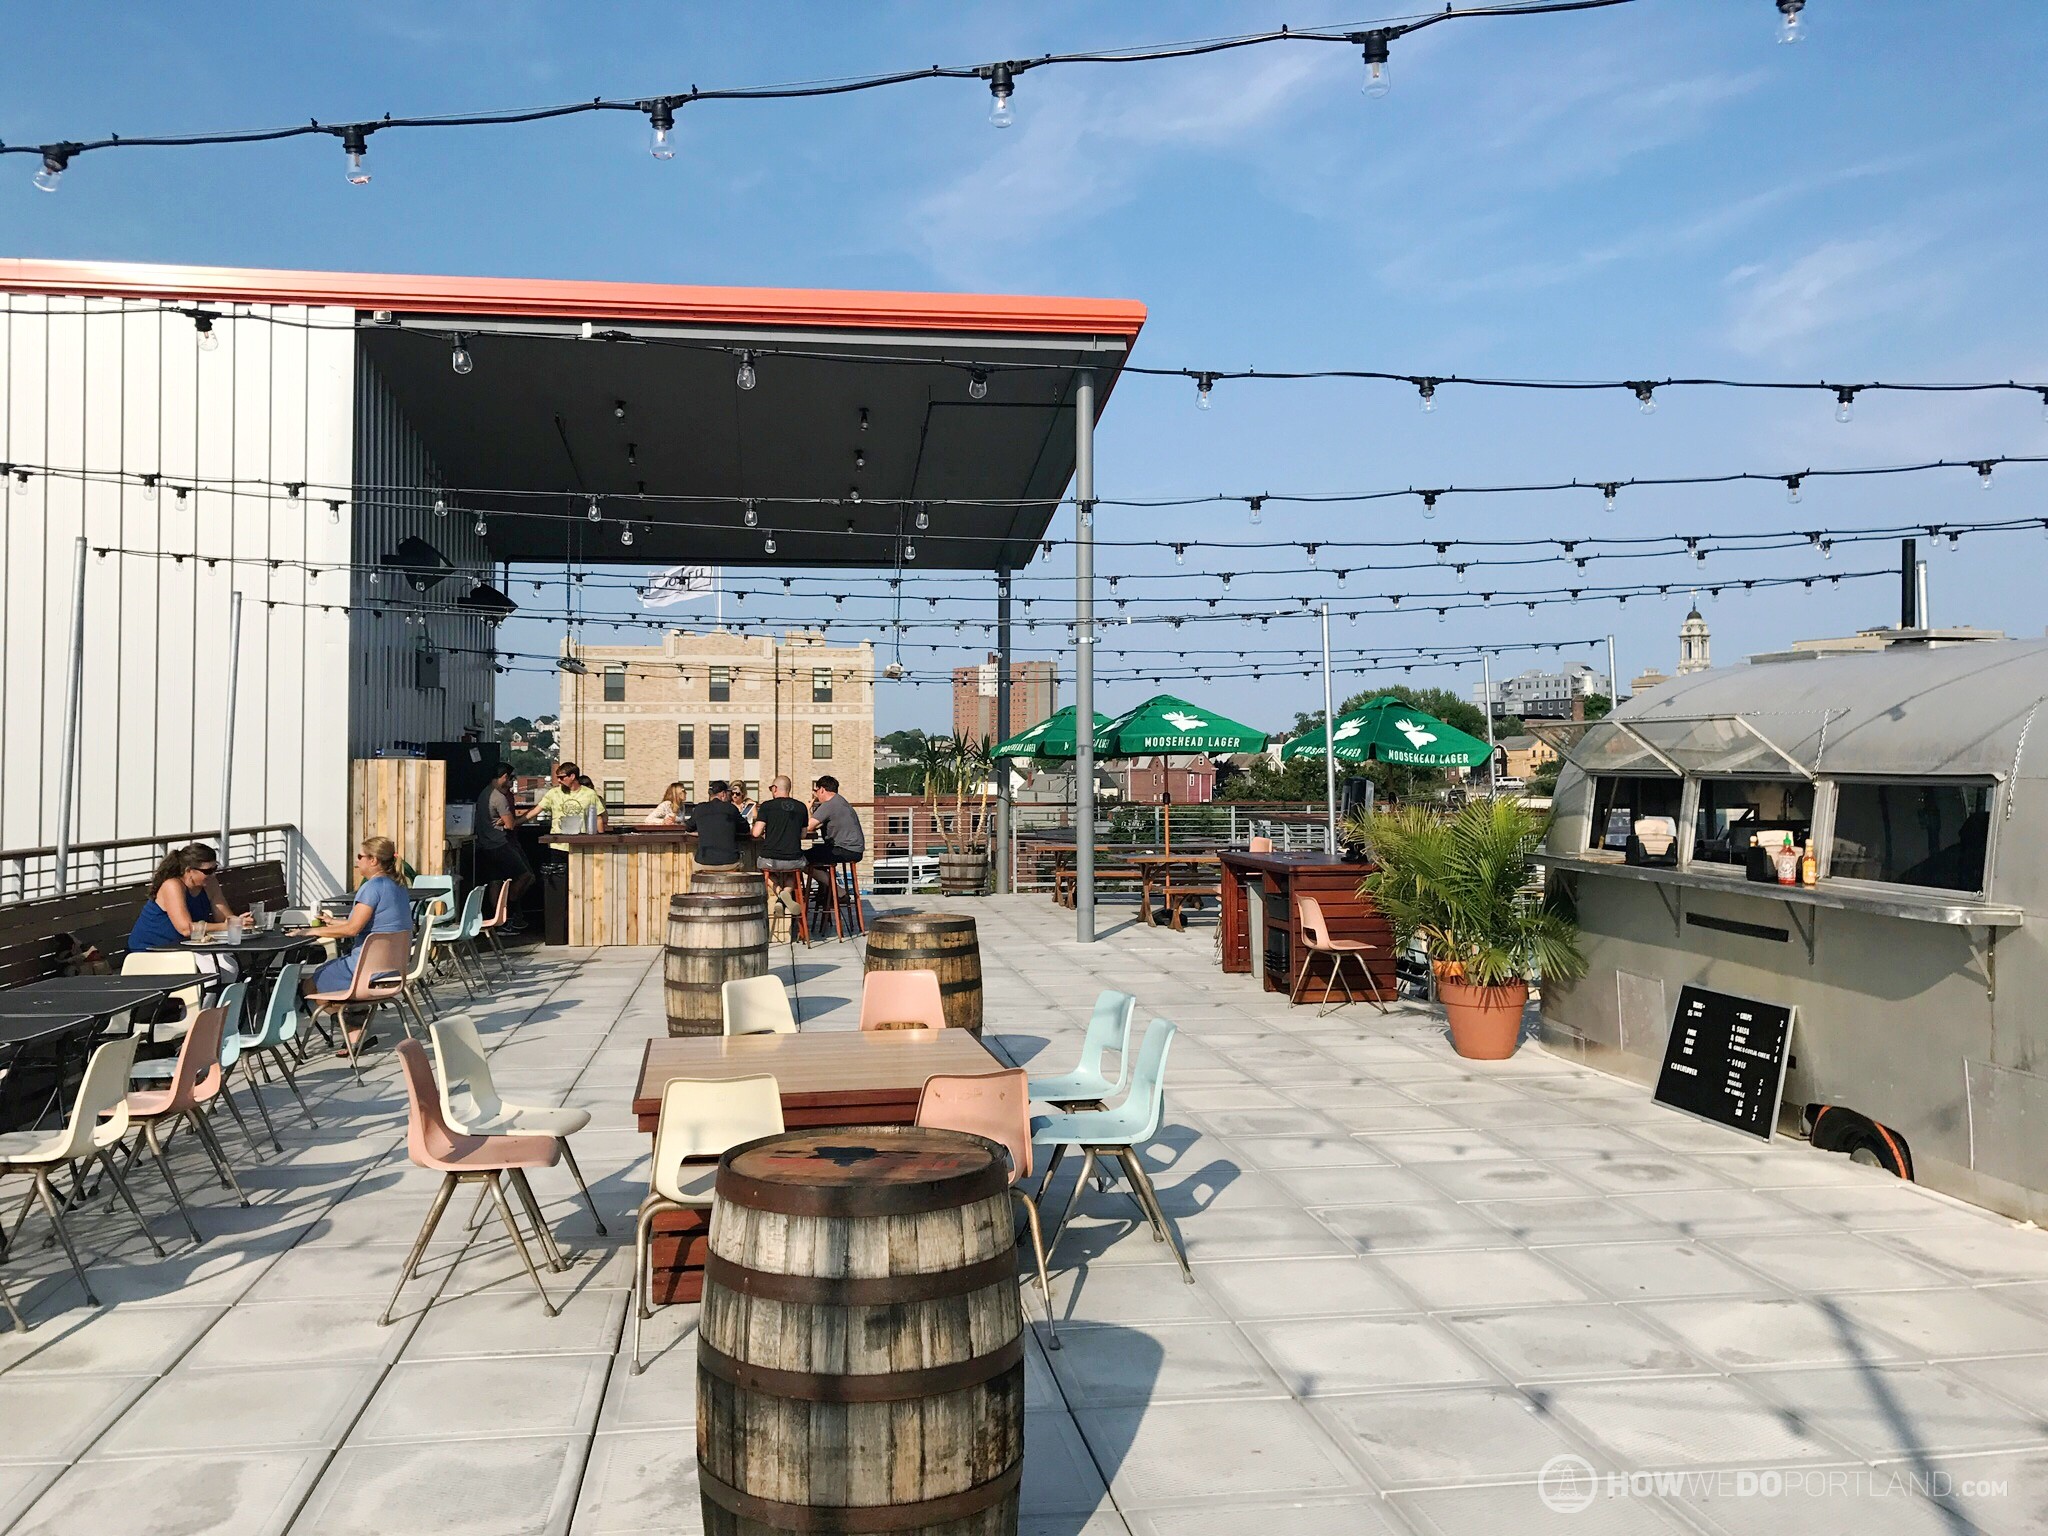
(1791,27)
(1429,506)
(202,323)
(355,144)
(977,384)
(1845,404)
(149,489)
(1205,382)
(909,550)
(440,506)
(1792,483)
(1180,554)
(768,545)
(1257,505)
(479,527)
(56,157)
(1983,468)
(923,519)
(334,512)
(1646,395)
(459,358)
(596,513)
(1374,52)
(748,514)
(626,533)
(1607,491)
(1001,86)
(746,377)
(1427,389)
(661,122)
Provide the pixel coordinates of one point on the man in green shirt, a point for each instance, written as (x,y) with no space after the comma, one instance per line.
(566,802)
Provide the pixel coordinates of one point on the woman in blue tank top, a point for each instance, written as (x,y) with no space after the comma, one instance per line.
(382,906)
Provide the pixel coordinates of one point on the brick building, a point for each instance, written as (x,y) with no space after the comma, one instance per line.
(1034,694)
(699,707)
(1147,781)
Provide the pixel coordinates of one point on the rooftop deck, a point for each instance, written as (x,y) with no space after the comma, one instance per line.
(1418,1280)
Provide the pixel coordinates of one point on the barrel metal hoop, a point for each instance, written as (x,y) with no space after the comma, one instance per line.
(861,1291)
(864,1519)
(878,1387)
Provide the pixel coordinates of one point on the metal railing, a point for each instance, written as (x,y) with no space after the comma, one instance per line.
(27,874)
(1293,827)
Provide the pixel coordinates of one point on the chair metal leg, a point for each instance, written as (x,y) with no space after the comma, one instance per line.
(1294,994)
(220,1155)
(13,1312)
(1074,1198)
(505,1213)
(1051,1167)
(419,1244)
(1038,1248)
(121,1188)
(292,1082)
(476,1214)
(1150,1197)
(643,1275)
(156,1150)
(263,1110)
(1372,985)
(540,1222)
(569,1157)
(49,1198)
(228,1098)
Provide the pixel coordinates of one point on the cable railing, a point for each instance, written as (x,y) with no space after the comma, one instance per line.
(29,874)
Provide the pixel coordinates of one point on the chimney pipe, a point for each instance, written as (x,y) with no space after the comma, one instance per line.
(1909,585)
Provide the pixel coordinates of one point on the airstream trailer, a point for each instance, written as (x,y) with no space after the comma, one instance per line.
(1915,960)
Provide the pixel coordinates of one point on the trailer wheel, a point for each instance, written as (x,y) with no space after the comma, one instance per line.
(1862,1139)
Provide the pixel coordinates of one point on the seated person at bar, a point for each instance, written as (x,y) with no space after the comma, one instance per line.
(382,906)
(180,907)
(672,809)
(720,828)
(840,838)
(779,824)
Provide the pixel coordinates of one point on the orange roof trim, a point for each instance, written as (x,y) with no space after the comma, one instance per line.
(578,300)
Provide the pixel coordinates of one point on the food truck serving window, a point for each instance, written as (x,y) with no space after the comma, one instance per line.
(1731,811)
(1923,832)
(1621,800)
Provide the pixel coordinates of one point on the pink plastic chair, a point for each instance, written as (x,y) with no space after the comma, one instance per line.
(195,1083)
(381,965)
(996,1105)
(893,999)
(1316,940)
(489,1160)
(1260,845)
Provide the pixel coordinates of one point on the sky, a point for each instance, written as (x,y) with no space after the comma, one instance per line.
(1657,189)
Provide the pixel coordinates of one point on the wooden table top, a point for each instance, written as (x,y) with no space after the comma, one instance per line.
(817,1070)
(1143,859)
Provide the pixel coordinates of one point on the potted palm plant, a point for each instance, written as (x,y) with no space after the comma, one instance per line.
(1462,885)
(963,867)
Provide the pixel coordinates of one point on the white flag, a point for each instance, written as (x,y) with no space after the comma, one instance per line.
(677,584)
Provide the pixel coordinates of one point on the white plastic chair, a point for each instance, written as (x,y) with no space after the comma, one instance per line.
(471,1106)
(756,1005)
(169,962)
(701,1119)
(99,1120)
(1109,1029)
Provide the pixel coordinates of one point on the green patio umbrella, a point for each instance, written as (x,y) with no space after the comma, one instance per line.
(1052,737)
(1389,731)
(1164,723)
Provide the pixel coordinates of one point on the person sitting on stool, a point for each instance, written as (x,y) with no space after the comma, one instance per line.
(840,838)
(720,828)
(779,825)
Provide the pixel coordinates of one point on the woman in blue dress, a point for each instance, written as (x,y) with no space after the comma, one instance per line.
(179,907)
(382,906)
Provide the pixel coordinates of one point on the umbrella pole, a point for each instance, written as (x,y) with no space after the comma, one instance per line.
(1329,736)
(1084,656)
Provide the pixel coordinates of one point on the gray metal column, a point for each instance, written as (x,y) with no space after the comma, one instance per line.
(1613,677)
(1005,876)
(67,789)
(1329,735)
(1486,688)
(1084,656)
(227,744)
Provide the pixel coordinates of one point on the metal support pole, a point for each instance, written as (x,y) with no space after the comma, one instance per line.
(1084,656)
(1329,736)
(1486,689)
(1005,875)
(227,744)
(1909,586)
(1920,593)
(74,688)
(1613,677)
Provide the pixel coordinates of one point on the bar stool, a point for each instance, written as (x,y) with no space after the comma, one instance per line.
(845,892)
(801,917)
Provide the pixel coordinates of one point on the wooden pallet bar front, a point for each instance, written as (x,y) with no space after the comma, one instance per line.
(620,883)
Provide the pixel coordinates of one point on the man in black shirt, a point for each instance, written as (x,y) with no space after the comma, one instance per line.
(719,827)
(779,823)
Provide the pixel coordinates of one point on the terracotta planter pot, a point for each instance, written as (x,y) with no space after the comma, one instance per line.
(1486,1022)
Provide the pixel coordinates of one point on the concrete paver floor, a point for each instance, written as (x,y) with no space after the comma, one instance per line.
(1419,1282)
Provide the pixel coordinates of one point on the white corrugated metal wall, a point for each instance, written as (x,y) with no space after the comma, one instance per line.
(95,390)
(397,481)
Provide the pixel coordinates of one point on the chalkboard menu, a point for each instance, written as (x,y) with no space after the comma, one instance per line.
(1726,1060)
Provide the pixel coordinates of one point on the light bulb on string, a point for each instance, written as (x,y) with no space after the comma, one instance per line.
(1204,382)
(1257,505)
(909,550)
(768,545)
(440,506)
(480,527)
(749,516)
(1955,539)
(55,158)
(596,513)
(746,378)
(1827,549)
(1791,26)
(1429,504)
(1607,491)
(1646,396)
(1983,468)
(1427,389)
(459,358)
(1001,85)
(202,323)
(1311,551)
(977,385)
(1792,483)
(626,533)
(923,519)
(1180,554)
(334,512)
(661,122)
(1374,53)
(1845,405)
(149,488)
(356,146)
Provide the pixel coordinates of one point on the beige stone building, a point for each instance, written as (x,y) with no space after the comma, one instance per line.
(699,707)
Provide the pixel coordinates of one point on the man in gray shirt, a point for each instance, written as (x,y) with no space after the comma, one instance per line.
(839,834)
(498,856)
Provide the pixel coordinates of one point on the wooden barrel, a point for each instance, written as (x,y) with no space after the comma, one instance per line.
(713,938)
(728,881)
(963,874)
(934,941)
(860,1355)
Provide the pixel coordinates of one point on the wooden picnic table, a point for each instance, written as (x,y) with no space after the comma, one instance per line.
(825,1078)
(1182,877)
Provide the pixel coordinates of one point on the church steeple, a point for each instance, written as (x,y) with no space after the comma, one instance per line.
(1692,641)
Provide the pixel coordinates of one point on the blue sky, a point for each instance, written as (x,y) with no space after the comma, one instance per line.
(1654,189)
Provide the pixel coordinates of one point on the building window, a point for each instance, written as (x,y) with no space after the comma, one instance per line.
(686,742)
(721,743)
(1619,801)
(821,685)
(615,741)
(821,742)
(614,794)
(721,686)
(899,824)
(1733,811)
(750,743)
(1925,834)
(615,683)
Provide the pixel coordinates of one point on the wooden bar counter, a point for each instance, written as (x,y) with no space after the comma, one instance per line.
(1260,918)
(620,883)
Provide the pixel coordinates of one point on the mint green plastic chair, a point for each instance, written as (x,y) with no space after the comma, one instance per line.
(234,999)
(270,1046)
(1117,1133)
(1109,1029)
(458,935)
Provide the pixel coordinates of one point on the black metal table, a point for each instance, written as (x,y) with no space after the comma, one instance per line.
(47,1029)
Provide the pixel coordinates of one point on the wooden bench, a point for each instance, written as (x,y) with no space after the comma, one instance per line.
(1063,881)
(1192,886)
(34,934)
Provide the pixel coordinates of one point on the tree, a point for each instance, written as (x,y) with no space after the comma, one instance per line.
(1597,706)
(907,745)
